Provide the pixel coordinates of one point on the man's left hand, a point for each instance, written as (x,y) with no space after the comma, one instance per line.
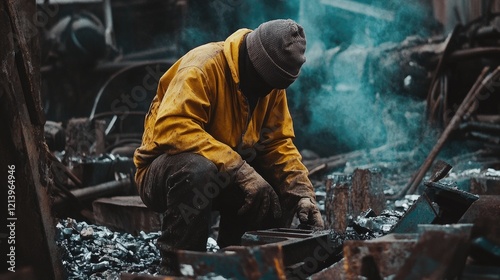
(309,214)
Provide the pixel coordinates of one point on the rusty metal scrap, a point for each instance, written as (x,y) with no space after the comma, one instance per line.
(462,225)
(269,254)
(388,253)
(299,255)
(367,191)
(440,253)
(337,202)
(484,213)
(435,252)
(347,196)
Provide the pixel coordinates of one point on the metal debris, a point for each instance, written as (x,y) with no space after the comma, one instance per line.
(212,245)
(95,252)
(379,225)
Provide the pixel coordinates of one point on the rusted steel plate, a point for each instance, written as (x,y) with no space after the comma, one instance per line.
(485,215)
(387,255)
(440,253)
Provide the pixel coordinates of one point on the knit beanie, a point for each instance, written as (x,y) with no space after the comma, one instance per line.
(276,49)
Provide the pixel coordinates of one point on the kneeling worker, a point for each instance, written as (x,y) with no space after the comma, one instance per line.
(218,136)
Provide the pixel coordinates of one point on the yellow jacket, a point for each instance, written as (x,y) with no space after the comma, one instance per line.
(198,108)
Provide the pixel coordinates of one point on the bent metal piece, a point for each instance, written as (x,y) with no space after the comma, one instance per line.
(281,254)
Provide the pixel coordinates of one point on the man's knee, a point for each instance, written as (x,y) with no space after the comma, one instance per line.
(173,179)
(196,164)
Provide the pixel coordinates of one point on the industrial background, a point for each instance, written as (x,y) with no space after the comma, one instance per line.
(396,115)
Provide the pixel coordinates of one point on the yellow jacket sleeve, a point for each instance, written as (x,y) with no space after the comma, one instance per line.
(277,156)
(182,117)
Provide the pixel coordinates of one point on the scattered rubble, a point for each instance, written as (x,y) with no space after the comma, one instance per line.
(95,252)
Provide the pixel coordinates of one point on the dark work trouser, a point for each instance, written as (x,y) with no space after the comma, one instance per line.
(186,188)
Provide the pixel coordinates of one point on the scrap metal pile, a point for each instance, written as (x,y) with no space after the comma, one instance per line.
(424,203)
(95,252)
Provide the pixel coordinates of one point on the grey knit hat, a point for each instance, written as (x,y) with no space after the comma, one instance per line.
(276,49)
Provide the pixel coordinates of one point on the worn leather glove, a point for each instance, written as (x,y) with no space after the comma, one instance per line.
(259,195)
(309,215)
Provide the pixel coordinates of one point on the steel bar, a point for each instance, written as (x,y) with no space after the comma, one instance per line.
(480,126)
(105,189)
(102,189)
(460,55)
(485,137)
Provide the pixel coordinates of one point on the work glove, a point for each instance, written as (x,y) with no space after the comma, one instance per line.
(309,215)
(259,195)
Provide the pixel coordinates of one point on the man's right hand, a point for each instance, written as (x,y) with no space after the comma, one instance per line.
(259,195)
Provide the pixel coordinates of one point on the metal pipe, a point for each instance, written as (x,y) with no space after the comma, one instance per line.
(473,53)
(109,33)
(101,190)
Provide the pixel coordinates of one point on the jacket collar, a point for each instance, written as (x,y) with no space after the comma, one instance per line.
(231,51)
